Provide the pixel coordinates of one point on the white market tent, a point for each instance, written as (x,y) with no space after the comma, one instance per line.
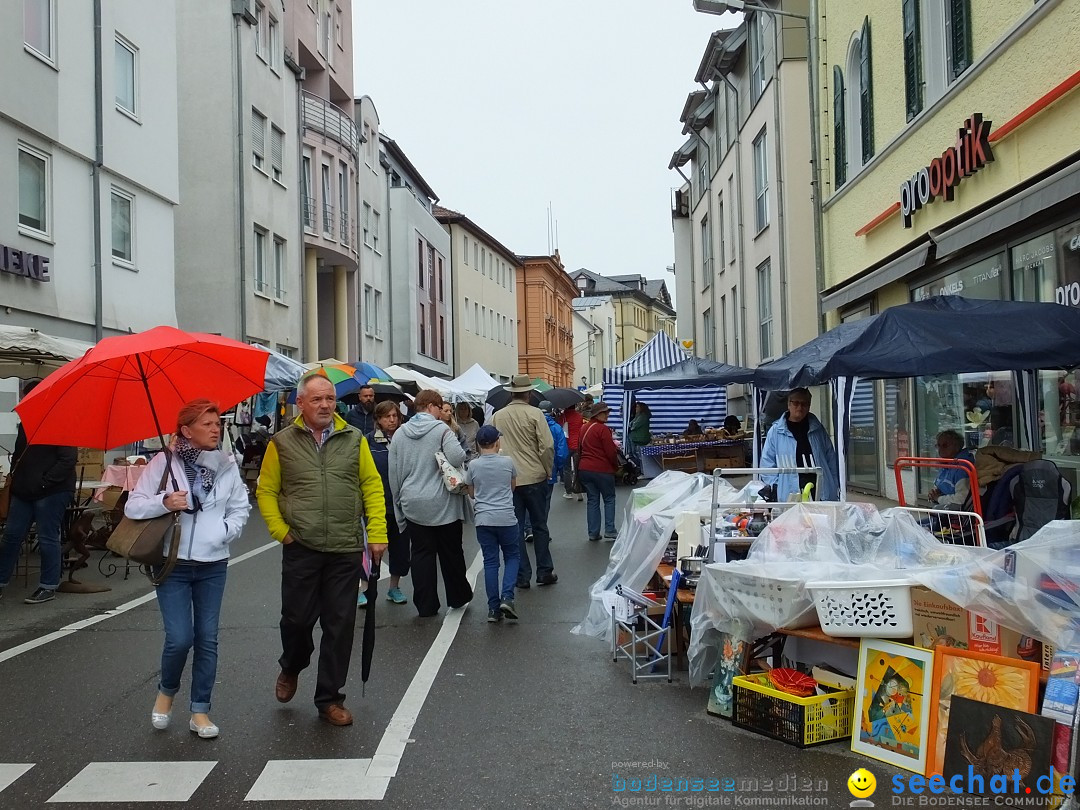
(472,385)
(402,374)
(27,353)
(670,412)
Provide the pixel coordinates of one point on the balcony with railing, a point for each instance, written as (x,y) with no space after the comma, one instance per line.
(320,115)
(328,220)
(309,212)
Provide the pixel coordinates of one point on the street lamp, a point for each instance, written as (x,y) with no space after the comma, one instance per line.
(724,6)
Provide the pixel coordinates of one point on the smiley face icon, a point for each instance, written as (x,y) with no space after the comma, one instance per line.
(862,784)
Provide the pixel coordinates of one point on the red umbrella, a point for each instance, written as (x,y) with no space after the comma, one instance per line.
(120,390)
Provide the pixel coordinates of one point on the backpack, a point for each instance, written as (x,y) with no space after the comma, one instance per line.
(562,449)
(1041,494)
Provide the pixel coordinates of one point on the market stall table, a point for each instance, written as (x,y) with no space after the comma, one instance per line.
(681,454)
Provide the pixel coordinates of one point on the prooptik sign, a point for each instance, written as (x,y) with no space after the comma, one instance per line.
(970,153)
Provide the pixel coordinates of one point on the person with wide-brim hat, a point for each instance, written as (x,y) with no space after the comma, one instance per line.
(527,439)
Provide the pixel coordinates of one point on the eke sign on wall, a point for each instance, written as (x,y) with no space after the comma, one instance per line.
(971,152)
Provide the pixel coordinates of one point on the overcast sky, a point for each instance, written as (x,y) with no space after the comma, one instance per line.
(505,106)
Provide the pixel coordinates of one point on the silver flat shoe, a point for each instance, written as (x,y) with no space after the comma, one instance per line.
(160,721)
(205,732)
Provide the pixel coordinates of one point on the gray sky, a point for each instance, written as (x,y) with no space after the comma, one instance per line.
(507,105)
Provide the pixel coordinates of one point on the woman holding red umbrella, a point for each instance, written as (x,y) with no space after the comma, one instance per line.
(205,486)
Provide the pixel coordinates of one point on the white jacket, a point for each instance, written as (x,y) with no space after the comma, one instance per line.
(206,534)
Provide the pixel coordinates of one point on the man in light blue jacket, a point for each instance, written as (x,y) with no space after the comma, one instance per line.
(798,439)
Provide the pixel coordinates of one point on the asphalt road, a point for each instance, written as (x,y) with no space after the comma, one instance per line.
(457,714)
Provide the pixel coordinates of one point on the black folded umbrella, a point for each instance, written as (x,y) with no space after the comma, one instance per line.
(367,645)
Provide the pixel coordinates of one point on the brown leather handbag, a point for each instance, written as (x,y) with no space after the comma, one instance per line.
(143,540)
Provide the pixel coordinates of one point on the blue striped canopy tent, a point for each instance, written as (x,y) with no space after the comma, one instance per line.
(658,353)
(701,393)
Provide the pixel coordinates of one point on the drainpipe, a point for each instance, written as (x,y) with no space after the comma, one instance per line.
(99,161)
(782,241)
(241,177)
(815,162)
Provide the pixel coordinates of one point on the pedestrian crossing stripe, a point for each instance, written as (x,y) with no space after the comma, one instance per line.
(294,780)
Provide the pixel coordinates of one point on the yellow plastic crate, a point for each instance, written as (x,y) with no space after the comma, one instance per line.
(799,721)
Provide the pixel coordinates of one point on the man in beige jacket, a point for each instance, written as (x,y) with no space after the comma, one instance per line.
(526,438)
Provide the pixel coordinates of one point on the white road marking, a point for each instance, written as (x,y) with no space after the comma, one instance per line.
(7,655)
(398,733)
(297,780)
(10,772)
(135,782)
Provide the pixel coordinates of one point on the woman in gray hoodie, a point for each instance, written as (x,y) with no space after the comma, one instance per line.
(422,505)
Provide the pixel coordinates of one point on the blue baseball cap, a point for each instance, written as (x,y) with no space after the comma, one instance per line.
(487,435)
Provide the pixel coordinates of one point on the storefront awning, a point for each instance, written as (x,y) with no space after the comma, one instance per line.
(1055,189)
(875,280)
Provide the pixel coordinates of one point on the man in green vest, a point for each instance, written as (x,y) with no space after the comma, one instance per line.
(318,488)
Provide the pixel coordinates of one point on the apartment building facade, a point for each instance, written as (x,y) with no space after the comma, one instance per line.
(86,230)
(374,200)
(421,297)
(743,220)
(950,166)
(642,307)
(484,276)
(594,338)
(545,296)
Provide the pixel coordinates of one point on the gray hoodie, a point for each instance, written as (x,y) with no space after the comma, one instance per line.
(415,478)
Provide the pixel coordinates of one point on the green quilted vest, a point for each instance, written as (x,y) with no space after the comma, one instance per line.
(320,489)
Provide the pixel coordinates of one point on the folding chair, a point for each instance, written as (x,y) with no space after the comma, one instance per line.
(643,636)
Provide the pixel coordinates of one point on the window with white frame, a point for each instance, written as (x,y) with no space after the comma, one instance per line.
(706,253)
(720,222)
(369,302)
(476,317)
(468,315)
(260,260)
(709,332)
(126,69)
(937,49)
(307,198)
(288,351)
(258,139)
(327,208)
(343,201)
(723,329)
(761,181)
(756,33)
(277,53)
(123,221)
(857,115)
(34,184)
(375,230)
(277,151)
(378,314)
(39,32)
(367,143)
(261,32)
(279,268)
(765,317)
(339,32)
(365,222)
(465,250)
(735,334)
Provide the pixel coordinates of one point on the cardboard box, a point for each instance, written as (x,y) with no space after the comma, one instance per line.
(940,621)
(86,455)
(724,463)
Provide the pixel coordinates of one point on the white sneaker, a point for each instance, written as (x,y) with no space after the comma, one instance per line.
(569,496)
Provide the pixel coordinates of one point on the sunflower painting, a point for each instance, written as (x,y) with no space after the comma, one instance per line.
(987,678)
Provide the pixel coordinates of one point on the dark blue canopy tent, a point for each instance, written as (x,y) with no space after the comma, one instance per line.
(940,335)
(694,372)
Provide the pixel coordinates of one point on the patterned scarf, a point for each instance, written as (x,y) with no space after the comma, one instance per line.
(189,455)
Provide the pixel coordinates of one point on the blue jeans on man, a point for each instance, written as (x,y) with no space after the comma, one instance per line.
(533,500)
(599,485)
(48,513)
(190,603)
(493,540)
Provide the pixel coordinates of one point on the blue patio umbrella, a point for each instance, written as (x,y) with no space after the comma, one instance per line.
(367,372)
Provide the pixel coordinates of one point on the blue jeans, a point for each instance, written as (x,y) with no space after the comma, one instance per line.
(492,539)
(48,513)
(190,603)
(533,499)
(599,485)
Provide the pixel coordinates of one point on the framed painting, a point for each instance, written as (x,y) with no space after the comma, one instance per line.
(992,741)
(994,679)
(734,660)
(892,703)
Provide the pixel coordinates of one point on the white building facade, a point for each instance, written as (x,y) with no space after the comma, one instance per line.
(374,199)
(420,299)
(743,220)
(594,338)
(90,165)
(483,278)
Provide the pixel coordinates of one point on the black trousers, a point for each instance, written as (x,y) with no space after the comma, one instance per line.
(444,543)
(397,547)
(317,586)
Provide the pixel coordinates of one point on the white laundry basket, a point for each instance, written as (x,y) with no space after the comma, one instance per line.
(875,608)
(775,601)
